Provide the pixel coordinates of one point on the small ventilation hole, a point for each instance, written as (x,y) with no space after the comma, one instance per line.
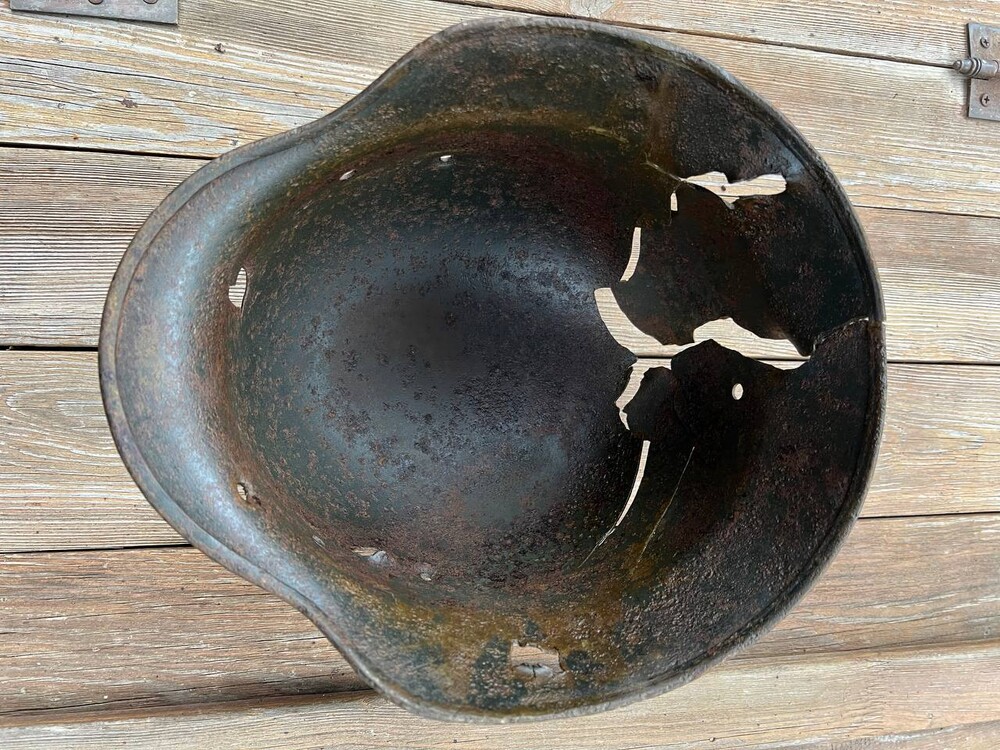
(347,175)
(238,289)
(737,391)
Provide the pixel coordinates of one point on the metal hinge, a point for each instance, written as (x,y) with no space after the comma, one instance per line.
(157,11)
(982,68)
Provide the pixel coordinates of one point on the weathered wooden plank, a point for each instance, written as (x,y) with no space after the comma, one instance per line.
(983,736)
(62,485)
(66,217)
(108,630)
(915,30)
(150,627)
(894,132)
(742,704)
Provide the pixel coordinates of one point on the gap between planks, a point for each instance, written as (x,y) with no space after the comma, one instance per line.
(184,544)
(198,160)
(62,484)
(619,14)
(912,31)
(287,65)
(158,627)
(826,700)
(66,218)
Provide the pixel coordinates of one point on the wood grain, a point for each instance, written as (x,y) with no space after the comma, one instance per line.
(63,486)
(150,627)
(84,82)
(839,699)
(144,628)
(897,645)
(983,736)
(66,218)
(914,30)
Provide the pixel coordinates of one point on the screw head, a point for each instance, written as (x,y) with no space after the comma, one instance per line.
(96,2)
(985,99)
(984,41)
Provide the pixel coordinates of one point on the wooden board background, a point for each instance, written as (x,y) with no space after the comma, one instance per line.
(148,628)
(89,84)
(114,633)
(62,485)
(66,217)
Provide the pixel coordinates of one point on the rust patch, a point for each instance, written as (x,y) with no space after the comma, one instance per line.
(418,396)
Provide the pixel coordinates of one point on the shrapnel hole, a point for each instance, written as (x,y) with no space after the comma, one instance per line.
(633,258)
(534,662)
(238,289)
(730,192)
(372,554)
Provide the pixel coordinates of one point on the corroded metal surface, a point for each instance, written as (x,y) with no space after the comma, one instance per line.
(407,426)
(153,11)
(982,67)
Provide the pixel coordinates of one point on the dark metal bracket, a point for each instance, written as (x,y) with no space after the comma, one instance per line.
(155,11)
(982,68)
